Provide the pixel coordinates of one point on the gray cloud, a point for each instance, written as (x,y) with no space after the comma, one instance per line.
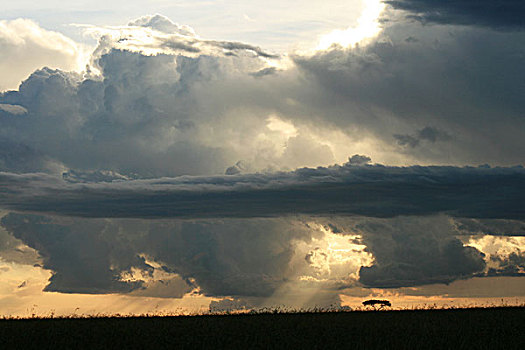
(20,158)
(490,227)
(12,109)
(193,107)
(199,110)
(358,159)
(415,251)
(264,72)
(175,114)
(76,122)
(237,168)
(428,134)
(501,14)
(236,46)
(460,81)
(512,265)
(14,250)
(376,191)
(73,176)
(221,257)
(245,258)
(80,258)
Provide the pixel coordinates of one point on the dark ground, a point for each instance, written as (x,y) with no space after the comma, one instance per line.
(493,328)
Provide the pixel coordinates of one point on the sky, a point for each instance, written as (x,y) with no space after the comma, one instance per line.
(169,157)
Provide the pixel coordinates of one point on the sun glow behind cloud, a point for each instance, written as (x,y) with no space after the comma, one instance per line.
(368,27)
(183,104)
(335,256)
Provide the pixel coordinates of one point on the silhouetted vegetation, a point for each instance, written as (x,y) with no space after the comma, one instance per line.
(476,328)
(374,302)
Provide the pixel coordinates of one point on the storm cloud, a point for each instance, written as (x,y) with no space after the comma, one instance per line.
(443,92)
(221,257)
(199,108)
(252,258)
(501,14)
(113,176)
(370,190)
(416,251)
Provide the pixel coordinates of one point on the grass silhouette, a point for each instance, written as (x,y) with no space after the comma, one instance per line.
(424,328)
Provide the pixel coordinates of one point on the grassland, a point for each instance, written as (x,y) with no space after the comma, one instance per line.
(477,328)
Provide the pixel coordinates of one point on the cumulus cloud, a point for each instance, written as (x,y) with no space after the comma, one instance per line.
(502,14)
(358,159)
(512,265)
(176,115)
(447,83)
(181,104)
(504,255)
(222,257)
(157,34)
(26,47)
(416,251)
(162,24)
(159,101)
(257,261)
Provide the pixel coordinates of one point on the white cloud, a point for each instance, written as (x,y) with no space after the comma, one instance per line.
(368,27)
(182,104)
(25,47)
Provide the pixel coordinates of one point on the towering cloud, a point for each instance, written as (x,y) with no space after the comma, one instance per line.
(223,257)
(114,175)
(182,104)
(441,90)
(254,258)
(26,47)
(415,251)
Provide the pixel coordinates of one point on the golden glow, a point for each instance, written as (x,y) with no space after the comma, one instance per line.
(336,256)
(478,291)
(401,301)
(287,129)
(368,27)
(497,248)
(498,245)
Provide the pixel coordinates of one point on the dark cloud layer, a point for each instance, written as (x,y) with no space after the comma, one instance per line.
(490,227)
(243,257)
(221,257)
(376,191)
(498,14)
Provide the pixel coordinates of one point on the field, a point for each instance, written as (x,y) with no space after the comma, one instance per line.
(477,328)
